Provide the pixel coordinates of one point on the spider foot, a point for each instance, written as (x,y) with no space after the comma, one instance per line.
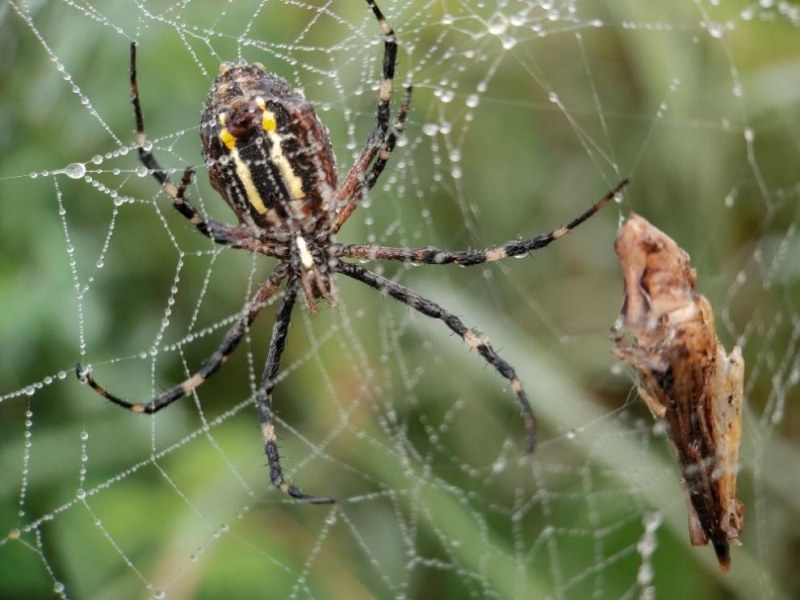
(527,412)
(530,428)
(301,496)
(276,471)
(82,373)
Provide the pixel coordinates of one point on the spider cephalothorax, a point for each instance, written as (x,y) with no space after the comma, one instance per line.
(271,159)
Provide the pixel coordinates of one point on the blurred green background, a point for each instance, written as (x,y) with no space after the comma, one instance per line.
(523,114)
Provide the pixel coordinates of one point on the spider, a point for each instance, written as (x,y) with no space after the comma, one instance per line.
(271,160)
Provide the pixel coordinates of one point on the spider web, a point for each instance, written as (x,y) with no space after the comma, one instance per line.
(523,113)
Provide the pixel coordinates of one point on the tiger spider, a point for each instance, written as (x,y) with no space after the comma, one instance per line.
(271,160)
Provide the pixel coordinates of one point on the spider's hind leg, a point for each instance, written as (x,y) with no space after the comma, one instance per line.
(209,368)
(264,399)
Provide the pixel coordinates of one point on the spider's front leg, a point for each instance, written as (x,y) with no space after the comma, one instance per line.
(218,232)
(381,142)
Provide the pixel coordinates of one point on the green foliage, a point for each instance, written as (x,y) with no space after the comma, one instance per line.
(383,409)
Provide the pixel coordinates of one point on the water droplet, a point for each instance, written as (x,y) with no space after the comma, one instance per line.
(498,23)
(715,30)
(653,521)
(509,41)
(645,574)
(75,170)
(660,427)
(430,129)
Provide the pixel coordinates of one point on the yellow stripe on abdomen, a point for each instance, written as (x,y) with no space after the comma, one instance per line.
(293,183)
(250,189)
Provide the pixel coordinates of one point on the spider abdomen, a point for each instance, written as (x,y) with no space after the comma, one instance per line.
(267,153)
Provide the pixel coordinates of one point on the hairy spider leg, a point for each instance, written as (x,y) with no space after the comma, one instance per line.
(264,398)
(466,258)
(213,363)
(391,141)
(355,183)
(472,338)
(148,159)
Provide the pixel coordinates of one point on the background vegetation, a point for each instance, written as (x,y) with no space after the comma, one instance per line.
(697,104)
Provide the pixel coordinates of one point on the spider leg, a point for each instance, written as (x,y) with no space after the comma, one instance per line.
(208,227)
(467,258)
(354,184)
(391,141)
(211,366)
(264,399)
(472,338)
